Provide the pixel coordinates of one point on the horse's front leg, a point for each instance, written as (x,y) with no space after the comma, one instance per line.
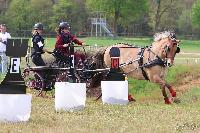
(156,79)
(171,90)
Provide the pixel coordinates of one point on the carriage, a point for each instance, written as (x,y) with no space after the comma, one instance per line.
(145,63)
(61,69)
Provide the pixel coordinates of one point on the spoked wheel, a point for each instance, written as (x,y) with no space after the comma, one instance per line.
(93,85)
(34,80)
(65,76)
(60,64)
(86,76)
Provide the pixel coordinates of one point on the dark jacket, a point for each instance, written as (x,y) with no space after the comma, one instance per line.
(38,44)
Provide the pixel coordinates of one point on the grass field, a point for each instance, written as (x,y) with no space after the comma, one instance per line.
(147,114)
(185,45)
(151,117)
(189,48)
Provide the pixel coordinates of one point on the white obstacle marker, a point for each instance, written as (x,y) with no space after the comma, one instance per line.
(15,107)
(69,96)
(114,92)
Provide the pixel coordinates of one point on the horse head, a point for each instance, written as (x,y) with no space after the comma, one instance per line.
(168,46)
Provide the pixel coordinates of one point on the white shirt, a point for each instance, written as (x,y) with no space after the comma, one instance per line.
(4,37)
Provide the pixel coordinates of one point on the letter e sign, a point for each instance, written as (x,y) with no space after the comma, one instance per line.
(15,64)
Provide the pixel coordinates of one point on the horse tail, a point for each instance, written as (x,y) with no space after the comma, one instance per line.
(98,58)
(98,61)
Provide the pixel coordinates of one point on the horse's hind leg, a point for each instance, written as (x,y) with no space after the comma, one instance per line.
(171,90)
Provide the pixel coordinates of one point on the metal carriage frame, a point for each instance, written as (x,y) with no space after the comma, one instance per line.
(43,78)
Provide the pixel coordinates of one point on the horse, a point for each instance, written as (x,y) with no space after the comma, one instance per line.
(146,63)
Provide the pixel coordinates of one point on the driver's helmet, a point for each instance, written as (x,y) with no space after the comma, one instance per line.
(38,26)
(64,25)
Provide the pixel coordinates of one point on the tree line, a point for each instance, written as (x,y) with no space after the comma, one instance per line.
(123,16)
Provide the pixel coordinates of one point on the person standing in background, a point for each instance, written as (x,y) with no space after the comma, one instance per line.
(4,36)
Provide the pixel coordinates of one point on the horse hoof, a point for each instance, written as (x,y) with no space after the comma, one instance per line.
(130,98)
(167,101)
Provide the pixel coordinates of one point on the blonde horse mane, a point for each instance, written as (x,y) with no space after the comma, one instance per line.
(161,35)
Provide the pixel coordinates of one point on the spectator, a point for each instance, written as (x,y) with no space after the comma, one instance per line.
(3,42)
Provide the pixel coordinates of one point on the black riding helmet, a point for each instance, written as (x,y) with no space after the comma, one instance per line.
(38,26)
(64,25)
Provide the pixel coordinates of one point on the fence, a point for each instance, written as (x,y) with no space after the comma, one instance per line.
(27,33)
(187,61)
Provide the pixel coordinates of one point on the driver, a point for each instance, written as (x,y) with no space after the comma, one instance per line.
(64,40)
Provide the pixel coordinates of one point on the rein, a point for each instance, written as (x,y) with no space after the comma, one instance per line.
(150,63)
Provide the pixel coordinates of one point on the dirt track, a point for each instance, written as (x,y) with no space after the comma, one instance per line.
(188,81)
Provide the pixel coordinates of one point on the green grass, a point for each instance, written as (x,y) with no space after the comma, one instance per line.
(142,88)
(96,117)
(50,42)
(190,46)
(176,70)
(185,45)
(147,114)
(191,97)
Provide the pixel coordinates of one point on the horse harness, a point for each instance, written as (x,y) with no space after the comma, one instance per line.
(150,63)
(158,61)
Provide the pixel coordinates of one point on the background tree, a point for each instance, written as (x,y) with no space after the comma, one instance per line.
(17,15)
(79,16)
(165,10)
(41,11)
(72,11)
(119,9)
(196,14)
(61,12)
(184,22)
(134,17)
(138,17)
(185,17)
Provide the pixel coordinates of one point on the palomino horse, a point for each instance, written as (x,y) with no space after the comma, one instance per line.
(148,63)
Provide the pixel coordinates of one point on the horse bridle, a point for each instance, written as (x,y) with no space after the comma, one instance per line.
(168,49)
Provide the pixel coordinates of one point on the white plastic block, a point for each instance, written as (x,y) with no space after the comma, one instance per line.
(69,96)
(114,92)
(15,107)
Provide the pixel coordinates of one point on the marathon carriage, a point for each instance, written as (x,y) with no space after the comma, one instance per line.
(62,69)
(143,63)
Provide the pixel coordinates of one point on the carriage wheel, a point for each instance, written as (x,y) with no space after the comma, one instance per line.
(60,64)
(66,77)
(33,80)
(93,85)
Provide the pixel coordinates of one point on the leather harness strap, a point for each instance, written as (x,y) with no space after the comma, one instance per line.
(140,62)
(142,65)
